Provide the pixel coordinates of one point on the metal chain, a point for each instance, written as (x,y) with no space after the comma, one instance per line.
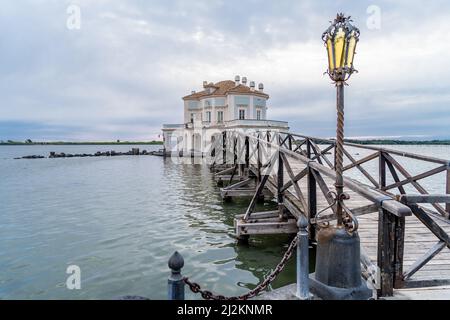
(208,295)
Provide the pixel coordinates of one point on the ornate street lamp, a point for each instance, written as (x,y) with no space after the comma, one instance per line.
(338,269)
(340,41)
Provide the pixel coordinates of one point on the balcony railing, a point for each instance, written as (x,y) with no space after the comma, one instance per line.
(173,126)
(256,123)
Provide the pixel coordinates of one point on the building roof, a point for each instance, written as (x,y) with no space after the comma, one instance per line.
(223,88)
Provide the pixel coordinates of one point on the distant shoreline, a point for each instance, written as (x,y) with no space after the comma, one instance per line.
(99,143)
(399,142)
(64,143)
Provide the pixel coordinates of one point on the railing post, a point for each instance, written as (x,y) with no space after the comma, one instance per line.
(175,281)
(258,159)
(391,235)
(224,147)
(312,202)
(280,182)
(247,152)
(447,188)
(308,148)
(303,259)
(386,252)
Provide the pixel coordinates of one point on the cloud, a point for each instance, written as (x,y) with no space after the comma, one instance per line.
(124,72)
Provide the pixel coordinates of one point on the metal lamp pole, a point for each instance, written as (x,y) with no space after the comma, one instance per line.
(338,269)
(339,153)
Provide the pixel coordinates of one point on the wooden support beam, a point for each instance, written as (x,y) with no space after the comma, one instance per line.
(319,154)
(256,196)
(414,183)
(223,172)
(292,207)
(424,259)
(324,188)
(371,208)
(361,161)
(296,178)
(394,176)
(415,178)
(297,189)
(312,203)
(430,224)
(239,184)
(363,171)
(324,151)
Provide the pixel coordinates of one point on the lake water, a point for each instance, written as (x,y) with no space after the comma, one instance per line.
(119,219)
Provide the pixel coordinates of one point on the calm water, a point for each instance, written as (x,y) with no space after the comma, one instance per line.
(119,219)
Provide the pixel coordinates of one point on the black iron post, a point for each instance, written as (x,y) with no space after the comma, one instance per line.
(175,281)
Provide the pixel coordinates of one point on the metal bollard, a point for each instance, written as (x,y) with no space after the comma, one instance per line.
(175,281)
(303,259)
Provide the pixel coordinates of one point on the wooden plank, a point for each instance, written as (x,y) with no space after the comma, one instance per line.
(260,215)
(260,228)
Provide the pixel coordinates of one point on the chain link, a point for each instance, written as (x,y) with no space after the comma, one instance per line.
(208,295)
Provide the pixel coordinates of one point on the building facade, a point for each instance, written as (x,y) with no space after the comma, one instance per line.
(219,106)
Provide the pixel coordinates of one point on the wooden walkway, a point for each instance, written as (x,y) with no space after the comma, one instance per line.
(418,239)
(404,244)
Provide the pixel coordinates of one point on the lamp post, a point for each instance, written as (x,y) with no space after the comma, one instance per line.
(338,269)
(340,41)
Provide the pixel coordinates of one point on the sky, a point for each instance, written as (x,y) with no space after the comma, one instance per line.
(118,69)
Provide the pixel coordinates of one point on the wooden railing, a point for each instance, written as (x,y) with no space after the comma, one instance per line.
(244,153)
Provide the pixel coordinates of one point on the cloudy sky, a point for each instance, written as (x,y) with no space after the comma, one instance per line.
(123,72)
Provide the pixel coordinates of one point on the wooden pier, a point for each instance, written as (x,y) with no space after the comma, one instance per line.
(404,229)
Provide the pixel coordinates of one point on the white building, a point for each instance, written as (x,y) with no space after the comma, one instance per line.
(219,106)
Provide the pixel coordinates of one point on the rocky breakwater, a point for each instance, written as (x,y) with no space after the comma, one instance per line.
(112,153)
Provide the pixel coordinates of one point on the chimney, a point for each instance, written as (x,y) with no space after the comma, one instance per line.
(205,83)
(261,87)
(244,81)
(252,85)
(237,79)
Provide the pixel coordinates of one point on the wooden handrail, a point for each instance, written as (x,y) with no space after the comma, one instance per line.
(382,200)
(391,151)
